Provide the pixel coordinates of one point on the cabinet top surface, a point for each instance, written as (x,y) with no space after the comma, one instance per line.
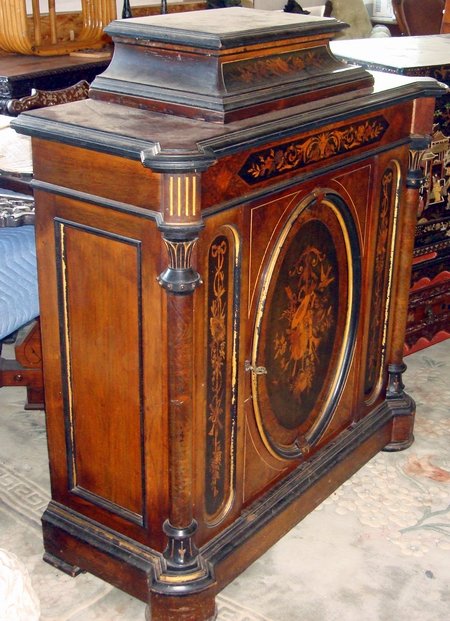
(127,131)
(218,28)
(397,52)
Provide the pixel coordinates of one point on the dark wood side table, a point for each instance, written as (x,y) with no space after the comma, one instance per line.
(429,303)
(19,74)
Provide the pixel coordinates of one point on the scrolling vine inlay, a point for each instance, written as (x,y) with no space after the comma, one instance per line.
(381,266)
(292,156)
(217,347)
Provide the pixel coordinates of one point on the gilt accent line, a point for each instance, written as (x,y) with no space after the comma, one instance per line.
(182,192)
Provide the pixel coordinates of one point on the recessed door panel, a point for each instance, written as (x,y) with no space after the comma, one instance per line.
(305,325)
(101,301)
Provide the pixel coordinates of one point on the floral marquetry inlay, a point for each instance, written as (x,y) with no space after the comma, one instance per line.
(308,316)
(305,325)
(381,280)
(275,68)
(220,382)
(217,352)
(292,156)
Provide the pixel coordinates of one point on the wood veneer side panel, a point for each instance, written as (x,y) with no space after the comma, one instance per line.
(103,316)
(115,343)
(51,343)
(109,176)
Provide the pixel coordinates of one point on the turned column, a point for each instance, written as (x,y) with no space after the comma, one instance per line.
(403,423)
(185,572)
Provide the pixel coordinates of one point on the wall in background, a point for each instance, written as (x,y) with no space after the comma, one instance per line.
(63,6)
(75,5)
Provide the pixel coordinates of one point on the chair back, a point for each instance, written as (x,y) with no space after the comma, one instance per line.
(418,18)
(42,99)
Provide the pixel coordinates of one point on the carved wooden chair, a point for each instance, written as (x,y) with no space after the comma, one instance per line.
(42,99)
(418,18)
(18,286)
(39,34)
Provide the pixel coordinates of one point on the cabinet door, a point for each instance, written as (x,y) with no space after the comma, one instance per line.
(306,316)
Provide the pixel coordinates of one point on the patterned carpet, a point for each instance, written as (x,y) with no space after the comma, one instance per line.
(378,549)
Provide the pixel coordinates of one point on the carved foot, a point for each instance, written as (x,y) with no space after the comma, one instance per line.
(196,607)
(35,399)
(403,422)
(402,429)
(70,570)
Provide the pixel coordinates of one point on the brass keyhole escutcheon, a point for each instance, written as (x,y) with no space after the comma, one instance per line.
(255,369)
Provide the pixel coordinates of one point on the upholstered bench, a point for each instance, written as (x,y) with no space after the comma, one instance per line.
(18,279)
(19,304)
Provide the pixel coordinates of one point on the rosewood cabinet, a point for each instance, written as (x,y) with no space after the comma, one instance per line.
(225,234)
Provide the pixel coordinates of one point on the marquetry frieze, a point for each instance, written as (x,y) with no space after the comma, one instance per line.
(277,68)
(297,154)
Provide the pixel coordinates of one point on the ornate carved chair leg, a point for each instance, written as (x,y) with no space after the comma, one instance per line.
(26,369)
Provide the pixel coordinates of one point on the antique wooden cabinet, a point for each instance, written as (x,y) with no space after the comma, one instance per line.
(429,301)
(224,234)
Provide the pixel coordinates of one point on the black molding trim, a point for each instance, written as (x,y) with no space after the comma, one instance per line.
(289,123)
(305,476)
(84,197)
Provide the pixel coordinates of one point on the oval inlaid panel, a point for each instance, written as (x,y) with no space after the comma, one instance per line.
(305,325)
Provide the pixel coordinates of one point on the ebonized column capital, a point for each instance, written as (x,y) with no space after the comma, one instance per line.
(419,146)
(177,161)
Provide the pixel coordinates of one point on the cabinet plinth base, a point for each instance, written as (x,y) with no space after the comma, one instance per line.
(143,572)
(198,607)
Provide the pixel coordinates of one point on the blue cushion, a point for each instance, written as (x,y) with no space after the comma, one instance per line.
(18,278)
